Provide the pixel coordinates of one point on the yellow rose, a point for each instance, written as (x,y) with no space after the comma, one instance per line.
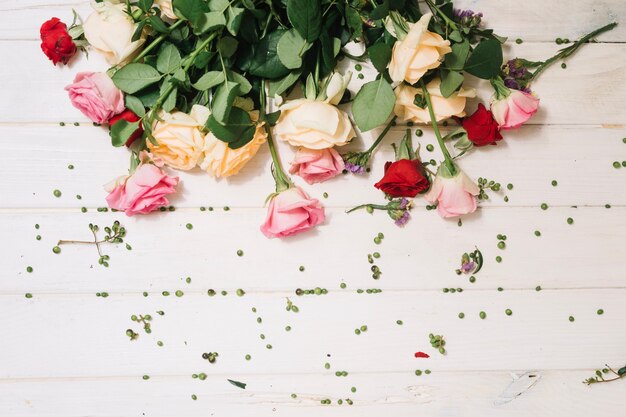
(109,29)
(222,161)
(313,124)
(417,53)
(179,137)
(444,108)
(166,8)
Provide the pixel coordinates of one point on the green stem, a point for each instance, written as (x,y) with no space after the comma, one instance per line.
(564,53)
(156,42)
(373,206)
(382,135)
(283,181)
(446,19)
(447,158)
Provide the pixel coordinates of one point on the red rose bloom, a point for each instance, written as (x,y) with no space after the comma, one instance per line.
(481,127)
(403,178)
(129,116)
(56,43)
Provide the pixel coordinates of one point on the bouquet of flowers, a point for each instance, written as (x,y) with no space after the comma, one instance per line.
(191,81)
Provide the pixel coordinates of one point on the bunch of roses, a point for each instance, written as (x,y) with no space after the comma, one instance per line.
(190,81)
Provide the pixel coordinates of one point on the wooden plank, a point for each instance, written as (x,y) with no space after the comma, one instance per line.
(68,336)
(579,158)
(537,21)
(422,256)
(590,91)
(402,394)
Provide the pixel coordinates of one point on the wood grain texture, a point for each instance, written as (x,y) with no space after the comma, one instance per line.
(64,352)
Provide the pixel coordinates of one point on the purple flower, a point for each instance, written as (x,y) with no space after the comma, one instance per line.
(353,168)
(468,267)
(467,18)
(402,220)
(404,203)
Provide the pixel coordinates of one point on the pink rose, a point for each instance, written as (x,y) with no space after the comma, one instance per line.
(514,110)
(142,192)
(94,94)
(292,211)
(316,165)
(455,195)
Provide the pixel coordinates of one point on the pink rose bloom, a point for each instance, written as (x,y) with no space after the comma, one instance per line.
(514,110)
(455,195)
(290,212)
(316,165)
(142,192)
(94,94)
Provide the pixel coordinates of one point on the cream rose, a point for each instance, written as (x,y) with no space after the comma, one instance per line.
(443,108)
(179,137)
(222,161)
(313,124)
(417,53)
(166,8)
(109,29)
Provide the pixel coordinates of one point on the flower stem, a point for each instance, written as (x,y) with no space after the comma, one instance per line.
(447,158)
(283,181)
(382,135)
(373,206)
(446,19)
(564,53)
(156,42)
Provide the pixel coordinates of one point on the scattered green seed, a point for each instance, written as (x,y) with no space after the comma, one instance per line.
(500,289)
(538,288)
(287,328)
(563,65)
(56,249)
(240,292)
(427,371)
(501,245)
(570,220)
(327,365)
(482,315)
(301,268)
(508,311)
(189,226)
(418,372)
(399,322)
(430,147)
(29,269)
(248,357)
(342,285)
(537,233)
(616,165)
(146,377)
(498,259)
(165,293)
(325,195)
(461,315)
(518,41)
(28,295)
(353,389)
(571,318)
(509,186)
(239,252)
(600,312)
(57,193)
(544,206)
(358,67)
(554,183)
(194,397)
(179,293)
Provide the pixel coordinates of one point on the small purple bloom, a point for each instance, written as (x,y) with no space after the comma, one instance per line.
(353,168)
(468,267)
(404,203)
(403,219)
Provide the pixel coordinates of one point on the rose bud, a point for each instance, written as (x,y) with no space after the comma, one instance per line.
(95,95)
(316,165)
(515,109)
(56,42)
(454,194)
(290,212)
(403,178)
(482,129)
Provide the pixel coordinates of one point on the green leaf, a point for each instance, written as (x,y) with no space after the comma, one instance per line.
(233,19)
(456,36)
(209,21)
(227,46)
(244,85)
(134,77)
(373,104)
(450,82)
(380,12)
(135,105)
(280,86)
(209,80)
(169,59)
(290,48)
(170,100)
(238,384)
(238,130)
(486,59)
(158,24)
(223,100)
(145,5)
(621,371)
(306,18)
(272,118)
(121,131)
(265,62)
(354,22)
(380,54)
(190,9)
(456,59)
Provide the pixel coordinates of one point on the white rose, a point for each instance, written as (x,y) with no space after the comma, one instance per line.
(313,124)
(109,29)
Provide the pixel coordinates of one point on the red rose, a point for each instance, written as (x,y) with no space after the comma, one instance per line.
(481,127)
(403,178)
(129,116)
(56,43)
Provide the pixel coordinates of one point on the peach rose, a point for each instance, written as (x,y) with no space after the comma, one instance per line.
(142,192)
(514,110)
(417,53)
(444,108)
(96,96)
(316,165)
(454,195)
(222,161)
(166,8)
(109,29)
(179,137)
(290,212)
(313,124)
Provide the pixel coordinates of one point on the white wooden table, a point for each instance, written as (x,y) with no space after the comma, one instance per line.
(64,351)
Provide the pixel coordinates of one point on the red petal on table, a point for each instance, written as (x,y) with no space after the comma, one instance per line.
(421,355)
